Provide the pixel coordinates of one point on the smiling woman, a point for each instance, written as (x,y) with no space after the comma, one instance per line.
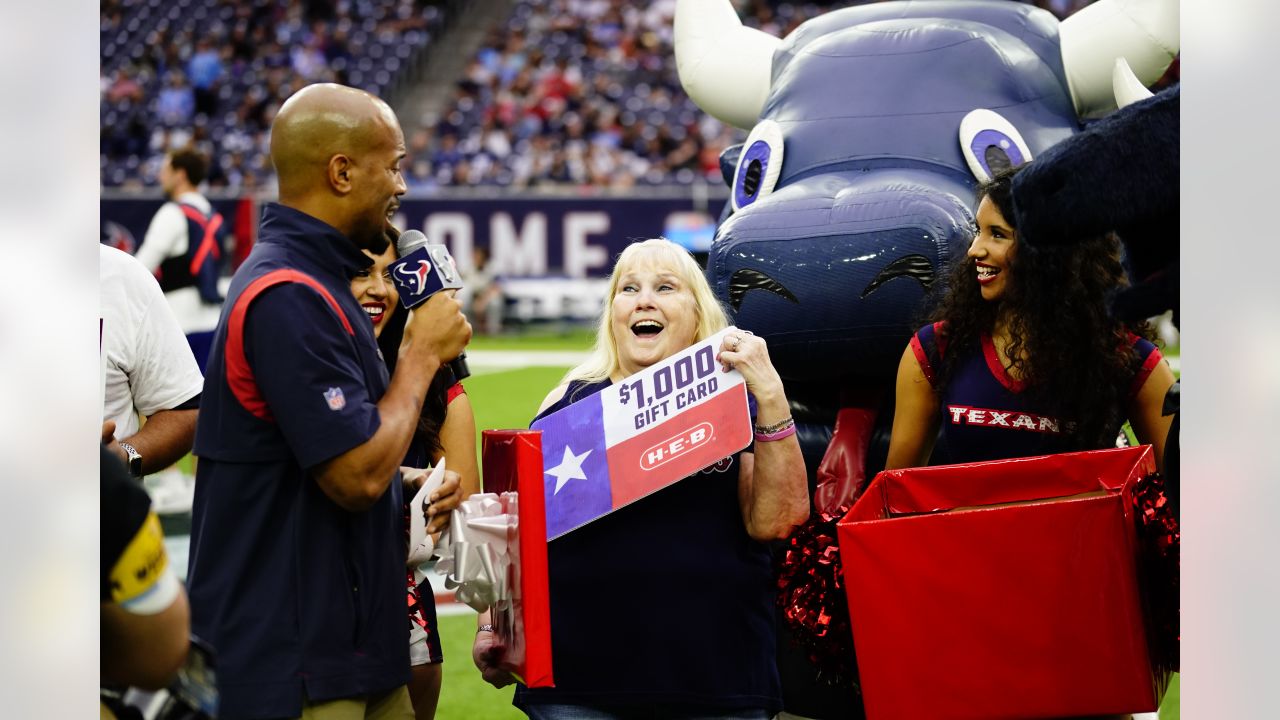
(374,289)
(706,536)
(1024,356)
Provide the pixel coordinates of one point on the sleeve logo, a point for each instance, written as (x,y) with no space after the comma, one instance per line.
(335,398)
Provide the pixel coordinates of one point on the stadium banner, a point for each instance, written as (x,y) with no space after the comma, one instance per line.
(526,235)
(633,438)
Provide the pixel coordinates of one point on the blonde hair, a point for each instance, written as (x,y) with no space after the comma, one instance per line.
(712,318)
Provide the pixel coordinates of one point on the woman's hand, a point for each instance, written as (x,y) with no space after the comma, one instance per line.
(773,491)
(750,356)
(487,653)
(442,502)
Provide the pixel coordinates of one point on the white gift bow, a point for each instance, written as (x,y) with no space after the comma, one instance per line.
(474,552)
(421,546)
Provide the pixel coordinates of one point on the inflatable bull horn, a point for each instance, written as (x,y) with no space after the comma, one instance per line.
(1127,87)
(1142,32)
(726,67)
(712,46)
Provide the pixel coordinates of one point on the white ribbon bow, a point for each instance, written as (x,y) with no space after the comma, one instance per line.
(476,550)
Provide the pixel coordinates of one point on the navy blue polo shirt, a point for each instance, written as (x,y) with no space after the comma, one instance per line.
(302,600)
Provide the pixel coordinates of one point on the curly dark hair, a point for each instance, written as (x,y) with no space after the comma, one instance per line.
(1074,355)
(426,436)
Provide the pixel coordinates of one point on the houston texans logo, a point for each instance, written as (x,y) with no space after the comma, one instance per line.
(418,276)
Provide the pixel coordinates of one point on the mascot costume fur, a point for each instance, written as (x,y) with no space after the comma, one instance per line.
(870,127)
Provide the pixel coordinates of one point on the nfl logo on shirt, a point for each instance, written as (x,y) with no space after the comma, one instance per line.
(335,398)
(636,437)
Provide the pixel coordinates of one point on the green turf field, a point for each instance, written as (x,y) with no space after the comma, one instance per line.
(575,337)
(463,695)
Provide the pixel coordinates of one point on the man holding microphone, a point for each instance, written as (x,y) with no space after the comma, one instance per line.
(297,546)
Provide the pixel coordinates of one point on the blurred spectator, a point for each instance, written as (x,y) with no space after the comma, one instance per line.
(481,296)
(186,248)
(205,69)
(144,615)
(176,103)
(148,372)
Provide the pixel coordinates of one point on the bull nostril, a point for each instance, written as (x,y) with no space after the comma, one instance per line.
(751,178)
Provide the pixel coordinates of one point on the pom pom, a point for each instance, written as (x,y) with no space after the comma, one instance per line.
(811,595)
(1159,548)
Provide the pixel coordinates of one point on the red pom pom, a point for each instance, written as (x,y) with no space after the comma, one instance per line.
(1160,544)
(812,598)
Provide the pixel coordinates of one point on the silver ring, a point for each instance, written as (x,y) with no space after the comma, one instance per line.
(736,342)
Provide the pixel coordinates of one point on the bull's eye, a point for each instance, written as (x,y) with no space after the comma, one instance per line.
(759,164)
(991,144)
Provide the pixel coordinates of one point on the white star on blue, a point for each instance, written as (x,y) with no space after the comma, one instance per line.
(570,468)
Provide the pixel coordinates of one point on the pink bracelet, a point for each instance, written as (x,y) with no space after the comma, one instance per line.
(786,432)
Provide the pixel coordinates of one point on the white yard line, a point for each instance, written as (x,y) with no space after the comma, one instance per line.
(509,359)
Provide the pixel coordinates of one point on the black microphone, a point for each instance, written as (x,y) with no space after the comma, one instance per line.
(423,270)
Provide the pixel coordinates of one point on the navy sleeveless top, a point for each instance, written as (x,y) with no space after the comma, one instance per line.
(986,415)
(664,603)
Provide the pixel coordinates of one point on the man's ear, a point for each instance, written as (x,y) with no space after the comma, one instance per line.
(341,171)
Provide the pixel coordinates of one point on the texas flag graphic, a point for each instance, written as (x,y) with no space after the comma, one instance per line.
(638,436)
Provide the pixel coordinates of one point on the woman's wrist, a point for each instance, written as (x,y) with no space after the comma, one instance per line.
(784,428)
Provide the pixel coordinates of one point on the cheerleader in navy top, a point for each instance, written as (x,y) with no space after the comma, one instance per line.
(1023,356)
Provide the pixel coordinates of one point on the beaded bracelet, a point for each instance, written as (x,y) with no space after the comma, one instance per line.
(776,431)
(770,437)
(783,424)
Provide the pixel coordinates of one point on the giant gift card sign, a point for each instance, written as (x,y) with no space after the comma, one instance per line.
(640,435)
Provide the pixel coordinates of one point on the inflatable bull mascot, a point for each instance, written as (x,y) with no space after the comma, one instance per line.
(870,127)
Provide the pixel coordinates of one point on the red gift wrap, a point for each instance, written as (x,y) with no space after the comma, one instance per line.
(513,464)
(1004,589)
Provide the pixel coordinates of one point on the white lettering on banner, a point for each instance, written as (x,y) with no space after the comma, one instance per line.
(674,447)
(455,231)
(518,253)
(665,390)
(963,415)
(579,256)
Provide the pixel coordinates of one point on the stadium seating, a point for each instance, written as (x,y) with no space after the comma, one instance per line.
(259,53)
(563,92)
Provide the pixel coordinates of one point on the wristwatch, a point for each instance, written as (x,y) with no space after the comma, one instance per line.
(135,459)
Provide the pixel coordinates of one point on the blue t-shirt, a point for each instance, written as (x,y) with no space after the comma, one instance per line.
(302,599)
(986,413)
(666,602)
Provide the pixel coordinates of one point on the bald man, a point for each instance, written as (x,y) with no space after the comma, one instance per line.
(297,543)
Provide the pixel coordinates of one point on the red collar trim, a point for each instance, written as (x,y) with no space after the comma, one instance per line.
(997,368)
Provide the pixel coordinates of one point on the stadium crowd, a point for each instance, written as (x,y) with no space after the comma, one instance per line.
(213,73)
(562,92)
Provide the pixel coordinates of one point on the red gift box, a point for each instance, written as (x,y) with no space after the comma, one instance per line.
(1004,589)
(513,464)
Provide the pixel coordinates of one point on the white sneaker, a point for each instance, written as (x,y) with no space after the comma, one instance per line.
(172,492)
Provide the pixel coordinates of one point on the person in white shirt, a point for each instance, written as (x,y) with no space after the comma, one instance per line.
(148,370)
(167,249)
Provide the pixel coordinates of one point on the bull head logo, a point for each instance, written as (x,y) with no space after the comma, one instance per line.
(418,276)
